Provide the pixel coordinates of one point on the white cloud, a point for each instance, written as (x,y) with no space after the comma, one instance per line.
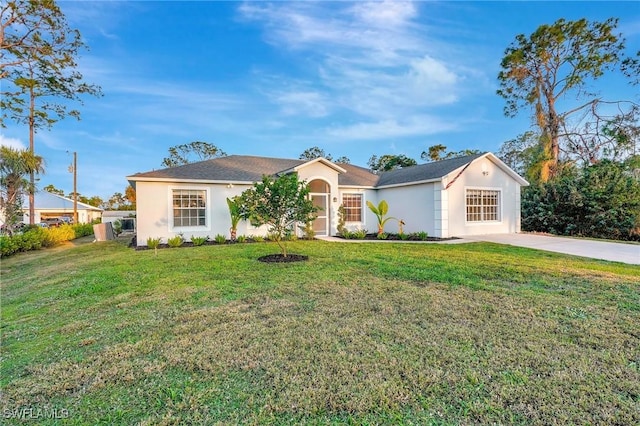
(307,102)
(393,128)
(385,13)
(372,59)
(11,142)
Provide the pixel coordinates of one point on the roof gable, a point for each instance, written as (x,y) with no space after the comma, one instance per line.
(424,172)
(44,200)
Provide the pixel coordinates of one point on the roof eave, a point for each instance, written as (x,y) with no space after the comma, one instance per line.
(182,180)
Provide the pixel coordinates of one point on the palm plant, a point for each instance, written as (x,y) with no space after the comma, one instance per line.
(15,164)
(236,217)
(380,211)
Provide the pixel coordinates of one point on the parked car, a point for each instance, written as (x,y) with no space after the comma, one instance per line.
(52,221)
(42,225)
(67,220)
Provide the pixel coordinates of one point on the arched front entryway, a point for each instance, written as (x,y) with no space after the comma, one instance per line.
(319,193)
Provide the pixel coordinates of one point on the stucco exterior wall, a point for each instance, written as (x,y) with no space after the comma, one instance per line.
(369,221)
(483,174)
(322,172)
(154,214)
(413,204)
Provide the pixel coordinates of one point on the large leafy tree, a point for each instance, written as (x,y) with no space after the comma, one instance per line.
(556,62)
(180,155)
(600,200)
(279,203)
(388,162)
(315,152)
(15,165)
(39,67)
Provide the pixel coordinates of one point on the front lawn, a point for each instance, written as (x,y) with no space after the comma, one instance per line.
(359,334)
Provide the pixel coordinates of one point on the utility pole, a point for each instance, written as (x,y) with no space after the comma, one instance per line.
(74,169)
(75,187)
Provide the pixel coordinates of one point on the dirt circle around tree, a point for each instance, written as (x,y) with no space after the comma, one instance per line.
(280,258)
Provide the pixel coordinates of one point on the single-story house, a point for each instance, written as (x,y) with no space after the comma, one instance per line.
(49,205)
(476,194)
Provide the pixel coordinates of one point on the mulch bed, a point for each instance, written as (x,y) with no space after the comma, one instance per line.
(396,237)
(279,258)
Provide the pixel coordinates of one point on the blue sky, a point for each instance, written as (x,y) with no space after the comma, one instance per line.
(275,78)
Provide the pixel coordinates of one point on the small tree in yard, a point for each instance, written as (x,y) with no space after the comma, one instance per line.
(278,203)
(234,211)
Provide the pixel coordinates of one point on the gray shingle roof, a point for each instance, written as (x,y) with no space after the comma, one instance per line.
(356,176)
(423,172)
(245,168)
(237,168)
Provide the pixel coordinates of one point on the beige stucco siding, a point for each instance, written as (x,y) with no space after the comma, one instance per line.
(318,170)
(413,204)
(483,174)
(155,219)
(369,221)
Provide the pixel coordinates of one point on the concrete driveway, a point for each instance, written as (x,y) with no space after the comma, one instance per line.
(616,252)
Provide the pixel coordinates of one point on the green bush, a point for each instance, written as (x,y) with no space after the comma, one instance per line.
(57,235)
(382,236)
(83,229)
(241,239)
(421,236)
(599,201)
(8,245)
(35,238)
(198,241)
(360,234)
(175,241)
(220,239)
(153,243)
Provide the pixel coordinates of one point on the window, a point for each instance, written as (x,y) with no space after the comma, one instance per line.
(352,207)
(483,205)
(189,207)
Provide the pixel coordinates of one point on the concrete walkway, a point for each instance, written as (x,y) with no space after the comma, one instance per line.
(605,250)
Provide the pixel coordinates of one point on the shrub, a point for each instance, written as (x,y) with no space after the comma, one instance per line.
(421,236)
(175,241)
(307,230)
(8,245)
(382,236)
(117,227)
(241,238)
(358,234)
(342,220)
(153,243)
(57,235)
(257,238)
(220,239)
(83,229)
(403,236)
(198,241)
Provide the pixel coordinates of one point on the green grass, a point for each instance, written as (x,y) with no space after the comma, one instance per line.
(360,334)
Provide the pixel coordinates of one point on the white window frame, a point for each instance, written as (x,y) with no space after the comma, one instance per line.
(362,204)
(499,211)
(207,208)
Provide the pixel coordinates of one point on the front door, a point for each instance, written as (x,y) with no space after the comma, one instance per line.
(321,224)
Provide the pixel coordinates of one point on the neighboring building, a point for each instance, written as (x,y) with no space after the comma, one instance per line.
(48,205)
(126,217)
(471,195)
